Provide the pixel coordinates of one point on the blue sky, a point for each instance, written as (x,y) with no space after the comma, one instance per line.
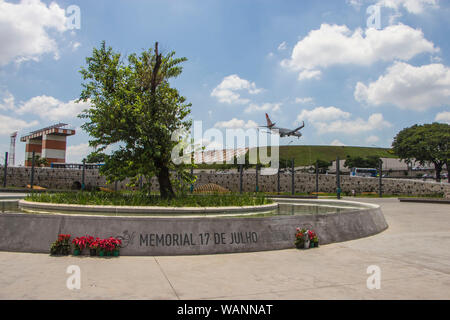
(312,61)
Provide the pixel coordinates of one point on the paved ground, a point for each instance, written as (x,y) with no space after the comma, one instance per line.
(413,256)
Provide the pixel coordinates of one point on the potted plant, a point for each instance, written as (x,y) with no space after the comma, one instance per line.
(93,245)
(299,238)
(116,244)
(61,246)
(102,247)
(316,241)
(311,235)
(79,244)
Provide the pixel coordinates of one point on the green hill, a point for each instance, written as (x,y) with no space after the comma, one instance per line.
(307,155)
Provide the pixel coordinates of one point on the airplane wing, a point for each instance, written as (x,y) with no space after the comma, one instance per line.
(296,129)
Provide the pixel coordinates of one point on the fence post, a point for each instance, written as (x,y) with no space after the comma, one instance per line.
(293,176)
(380,182)
(257,187)
(6,170)
(32,171)
(278,180)
(338,179)
(83,184)
(241,169)
(317,177)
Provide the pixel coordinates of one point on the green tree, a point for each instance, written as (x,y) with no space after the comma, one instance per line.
(134,108)
(96,157)
(371,161)
(38,161)
(425,143)
(322,165)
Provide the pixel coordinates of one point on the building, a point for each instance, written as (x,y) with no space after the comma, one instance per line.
(49,143)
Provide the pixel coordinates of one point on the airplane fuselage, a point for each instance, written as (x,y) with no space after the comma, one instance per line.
(283,132)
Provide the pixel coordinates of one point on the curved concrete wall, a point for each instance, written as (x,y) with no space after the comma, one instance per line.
(180,236)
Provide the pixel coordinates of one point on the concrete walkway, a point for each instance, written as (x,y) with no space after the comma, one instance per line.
(413,256)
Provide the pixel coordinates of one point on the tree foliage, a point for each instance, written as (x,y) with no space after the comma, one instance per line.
(425,143)
(135,110)
(371,161)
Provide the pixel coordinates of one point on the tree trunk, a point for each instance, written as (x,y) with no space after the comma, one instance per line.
(165,187)
(448,172)
(438,169)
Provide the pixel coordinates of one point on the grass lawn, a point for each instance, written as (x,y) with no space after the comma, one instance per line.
(143,199)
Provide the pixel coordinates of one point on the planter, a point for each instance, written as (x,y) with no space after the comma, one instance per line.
(108,253)
(311,244)
(299,245)
(76,252)
(101,253)
(92,252)
(116,253)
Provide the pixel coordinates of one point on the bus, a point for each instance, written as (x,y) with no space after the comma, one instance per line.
(58,165)
(364,172)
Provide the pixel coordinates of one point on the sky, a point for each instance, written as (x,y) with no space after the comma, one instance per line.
(355,71)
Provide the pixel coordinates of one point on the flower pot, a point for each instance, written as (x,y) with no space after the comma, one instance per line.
(116,253)
(76,252)
(92,252)
(108,253)
(101,253)
(311,244)
(299,245)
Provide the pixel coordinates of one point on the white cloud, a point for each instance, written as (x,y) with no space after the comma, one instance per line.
(412,6)
(264,107)
(309,74)
(24,30)
(75,45)
(76,153)
(334,120)
(408,87)
(225,92)
(7,102)
(305,100)
(321,114)
(9,124)
(334,44)
(50,108)
(236,124)
(443,117)
(372,139)
(282,46)
(336,142)
(374,122)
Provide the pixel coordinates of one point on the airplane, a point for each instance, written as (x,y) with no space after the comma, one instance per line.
(283,132)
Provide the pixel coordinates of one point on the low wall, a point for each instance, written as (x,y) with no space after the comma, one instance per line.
(65,178)
(182,236)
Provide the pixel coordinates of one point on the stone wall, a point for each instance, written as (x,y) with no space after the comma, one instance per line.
(65,178)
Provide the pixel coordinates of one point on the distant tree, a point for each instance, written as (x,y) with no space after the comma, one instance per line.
(371,161)
(322,165)
(425,143)
(134,108)
(96,157)
(38,161)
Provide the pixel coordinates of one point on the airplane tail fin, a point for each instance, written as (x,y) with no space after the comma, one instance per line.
(269,123)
